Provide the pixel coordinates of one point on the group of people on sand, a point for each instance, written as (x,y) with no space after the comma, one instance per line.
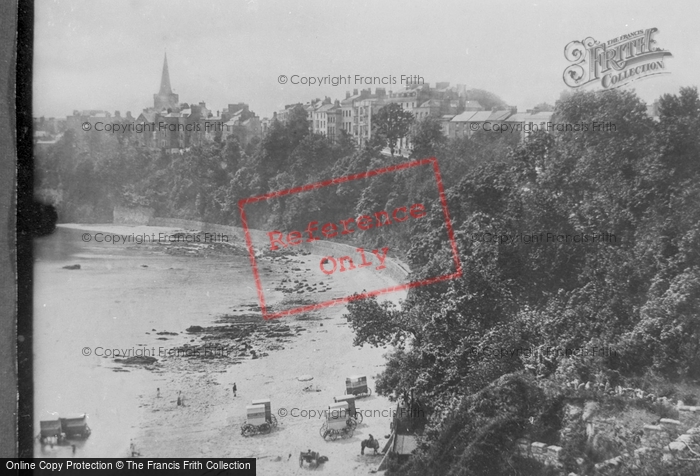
(181,397)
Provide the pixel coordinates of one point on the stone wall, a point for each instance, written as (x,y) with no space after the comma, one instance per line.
(660,441)
(233,232)
(395,269)
(549,455)
(666,440)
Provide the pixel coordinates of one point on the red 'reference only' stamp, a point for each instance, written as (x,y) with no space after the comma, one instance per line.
(395,219)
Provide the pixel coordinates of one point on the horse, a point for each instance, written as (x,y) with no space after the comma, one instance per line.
(370,443)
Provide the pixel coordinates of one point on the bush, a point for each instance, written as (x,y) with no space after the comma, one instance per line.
(479,438)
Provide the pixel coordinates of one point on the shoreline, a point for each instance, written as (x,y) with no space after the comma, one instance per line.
(318,344)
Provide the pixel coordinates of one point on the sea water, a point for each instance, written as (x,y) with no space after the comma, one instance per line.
(113,303)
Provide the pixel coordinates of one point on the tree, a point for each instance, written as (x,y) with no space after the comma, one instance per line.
(345,144)
(427,138)
(231,154)
(281,140)
(667,337)
(311,155)
(391,124)
(297,126)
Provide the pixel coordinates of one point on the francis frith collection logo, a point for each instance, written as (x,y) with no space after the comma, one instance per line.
(614,63)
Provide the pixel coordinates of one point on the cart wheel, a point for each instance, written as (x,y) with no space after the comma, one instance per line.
(274,421)
(352,423)
(349,432)
(369,391)
(247,430)
(265,428)
(359,417)
(322,431)
(334,435)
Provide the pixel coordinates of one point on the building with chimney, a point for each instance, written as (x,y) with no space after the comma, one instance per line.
(173,126)
(366,108)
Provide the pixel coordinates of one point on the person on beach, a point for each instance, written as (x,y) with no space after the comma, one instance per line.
(158,392)
(179,400)
(234,389)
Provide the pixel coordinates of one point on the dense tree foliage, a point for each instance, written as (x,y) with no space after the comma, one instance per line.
(637,294)
(427,138)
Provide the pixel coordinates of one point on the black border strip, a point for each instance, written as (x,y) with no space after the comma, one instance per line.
(8,290)
(26,225)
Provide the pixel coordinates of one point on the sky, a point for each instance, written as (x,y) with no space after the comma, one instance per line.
(108,55)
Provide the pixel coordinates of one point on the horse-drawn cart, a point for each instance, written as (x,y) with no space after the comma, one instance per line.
(352,409)
(338,423)
(260,418)
(76,427)
(357,385)
(51,431)
(256,422)
(311,457)
(58,430)
(269,417)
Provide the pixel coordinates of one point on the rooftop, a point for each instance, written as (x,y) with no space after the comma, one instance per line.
(464,117)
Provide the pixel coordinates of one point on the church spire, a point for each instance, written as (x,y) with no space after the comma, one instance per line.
(165,99)
(165,78)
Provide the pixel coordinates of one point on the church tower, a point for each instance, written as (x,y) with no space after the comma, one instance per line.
(165,99)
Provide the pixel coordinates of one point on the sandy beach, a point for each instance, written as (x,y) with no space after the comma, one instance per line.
(263,358)
(208,425)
